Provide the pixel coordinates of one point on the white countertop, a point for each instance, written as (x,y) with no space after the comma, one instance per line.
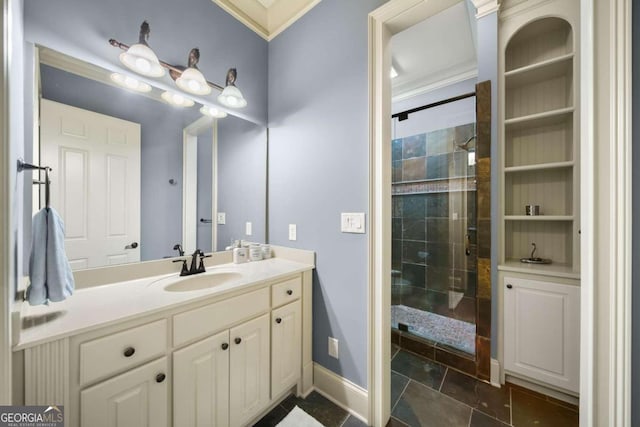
(92,308)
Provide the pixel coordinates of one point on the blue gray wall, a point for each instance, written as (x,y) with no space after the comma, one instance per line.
(488,70)
(242,168)
(82,29)
(160,152)
(635,330)
(318,157)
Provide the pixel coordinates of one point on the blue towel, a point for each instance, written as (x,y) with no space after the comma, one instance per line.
(49,270)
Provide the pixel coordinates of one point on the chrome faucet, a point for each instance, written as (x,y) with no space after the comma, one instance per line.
(195,267)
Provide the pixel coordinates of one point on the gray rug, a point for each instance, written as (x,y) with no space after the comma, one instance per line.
(452,332)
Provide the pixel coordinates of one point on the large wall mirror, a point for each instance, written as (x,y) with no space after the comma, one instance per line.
(134,176)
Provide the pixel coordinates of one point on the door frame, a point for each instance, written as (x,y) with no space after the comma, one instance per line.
(7,175)
(605,386)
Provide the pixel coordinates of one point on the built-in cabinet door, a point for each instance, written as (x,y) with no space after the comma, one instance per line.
(137,398)
(249,370)
(286,347)
(201,383)
(542,331)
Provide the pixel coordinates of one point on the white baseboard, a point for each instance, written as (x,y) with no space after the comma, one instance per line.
(342,392)
(495,373)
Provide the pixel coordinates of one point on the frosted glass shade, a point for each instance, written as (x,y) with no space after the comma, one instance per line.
(177,99)
(193,81)
(213,112)
(142,60)
(129,82)
(232,97)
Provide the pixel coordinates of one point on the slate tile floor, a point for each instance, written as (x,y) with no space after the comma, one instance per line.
(427,394)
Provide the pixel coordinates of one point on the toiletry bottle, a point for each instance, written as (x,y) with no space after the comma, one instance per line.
(240,254)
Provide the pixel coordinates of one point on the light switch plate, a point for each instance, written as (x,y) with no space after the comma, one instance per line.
(248,228)
(352,222)
(293,232)
(222,218)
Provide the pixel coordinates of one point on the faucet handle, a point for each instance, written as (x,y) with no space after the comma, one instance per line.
(184,270)
(201,268)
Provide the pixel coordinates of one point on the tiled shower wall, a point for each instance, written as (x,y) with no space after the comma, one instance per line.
(434,209)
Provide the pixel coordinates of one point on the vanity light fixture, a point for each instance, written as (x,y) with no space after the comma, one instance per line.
(177,99)
(231,95)
(213,112)
(141,59)
(129,82)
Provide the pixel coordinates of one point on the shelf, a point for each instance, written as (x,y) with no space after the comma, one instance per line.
(538,167)
(544,70)
(539,119)
(555,270)
(538,217)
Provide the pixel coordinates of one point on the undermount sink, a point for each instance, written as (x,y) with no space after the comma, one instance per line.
(201,281)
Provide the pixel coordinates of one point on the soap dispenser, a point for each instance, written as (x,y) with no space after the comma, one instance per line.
(240,253)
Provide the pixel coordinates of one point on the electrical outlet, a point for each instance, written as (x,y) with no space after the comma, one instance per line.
(293,232)
(222,218)
(333,347)
(248,229)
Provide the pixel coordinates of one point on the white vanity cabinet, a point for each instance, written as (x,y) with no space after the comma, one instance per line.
(201,383)
(217,362)
(286,345)
(542,331)
(138,398)
(223,380)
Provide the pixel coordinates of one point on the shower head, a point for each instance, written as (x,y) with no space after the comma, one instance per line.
(464,145)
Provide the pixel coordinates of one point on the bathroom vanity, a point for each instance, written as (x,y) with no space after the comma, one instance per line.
(218,348)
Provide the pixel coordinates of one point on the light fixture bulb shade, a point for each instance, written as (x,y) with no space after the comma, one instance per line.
(193,81)
(177,99)
(213,112)
(232,97)
(141,59)
(130,83)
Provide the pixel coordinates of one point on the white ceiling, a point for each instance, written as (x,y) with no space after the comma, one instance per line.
(267,18)
(438,51)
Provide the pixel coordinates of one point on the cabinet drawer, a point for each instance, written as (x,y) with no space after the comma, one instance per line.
(287,291)
(211,318)
(114,353)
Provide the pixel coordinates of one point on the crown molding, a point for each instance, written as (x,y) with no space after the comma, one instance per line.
(485,7)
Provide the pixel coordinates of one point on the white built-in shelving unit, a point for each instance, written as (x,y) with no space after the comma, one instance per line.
(540,141)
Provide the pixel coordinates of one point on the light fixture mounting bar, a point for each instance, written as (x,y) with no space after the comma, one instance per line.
(116,43)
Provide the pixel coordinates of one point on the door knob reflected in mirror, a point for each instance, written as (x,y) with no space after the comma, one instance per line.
(132,245)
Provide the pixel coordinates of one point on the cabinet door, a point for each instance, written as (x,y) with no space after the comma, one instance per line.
(137,398)
(542,331)
(286,347)
(201,383)
(249,367)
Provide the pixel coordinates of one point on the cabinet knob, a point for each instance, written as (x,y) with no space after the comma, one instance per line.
(278,320)
(160,378)
(289,292)
(509,286)
(129,351)
(238,340)
(224,346)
